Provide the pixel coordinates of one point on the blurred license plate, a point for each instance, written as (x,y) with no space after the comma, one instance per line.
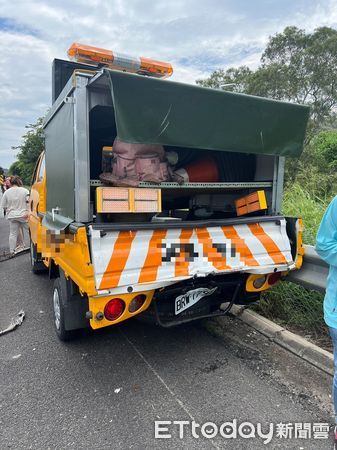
(189,299)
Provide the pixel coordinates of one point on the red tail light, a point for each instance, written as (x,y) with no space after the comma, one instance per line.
(274,278)
(137,302)
(114,309)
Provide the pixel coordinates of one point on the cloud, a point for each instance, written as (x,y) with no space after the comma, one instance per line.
(24,87)
(11,25)
(196,36)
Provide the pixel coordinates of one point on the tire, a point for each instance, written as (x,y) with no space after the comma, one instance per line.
(59,312)
(37,265)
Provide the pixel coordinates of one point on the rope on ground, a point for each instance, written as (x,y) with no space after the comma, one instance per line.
(15,322)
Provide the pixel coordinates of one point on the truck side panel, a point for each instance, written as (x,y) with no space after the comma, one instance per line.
(70,251)
(60,161)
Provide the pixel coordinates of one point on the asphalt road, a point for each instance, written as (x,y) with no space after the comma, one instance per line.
(107,389)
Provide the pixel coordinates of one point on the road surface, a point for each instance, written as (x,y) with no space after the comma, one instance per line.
(107,389)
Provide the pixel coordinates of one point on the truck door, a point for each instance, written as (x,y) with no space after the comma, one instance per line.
(37,198)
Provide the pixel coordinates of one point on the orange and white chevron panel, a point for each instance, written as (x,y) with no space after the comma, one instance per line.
(150,259)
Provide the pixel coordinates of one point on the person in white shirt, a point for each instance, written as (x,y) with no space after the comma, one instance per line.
(15,201)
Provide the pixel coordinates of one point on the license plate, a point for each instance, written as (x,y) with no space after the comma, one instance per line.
(189,299)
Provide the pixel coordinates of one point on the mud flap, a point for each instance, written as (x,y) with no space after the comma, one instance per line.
(75,305)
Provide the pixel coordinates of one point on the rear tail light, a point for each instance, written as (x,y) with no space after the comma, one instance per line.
(259,282)
(137,302)
(114,309)
(273,278)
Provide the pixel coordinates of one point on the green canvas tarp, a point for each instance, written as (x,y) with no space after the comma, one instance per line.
(148,110)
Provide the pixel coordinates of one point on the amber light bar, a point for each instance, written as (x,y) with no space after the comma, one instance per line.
(127,200)
(117,61)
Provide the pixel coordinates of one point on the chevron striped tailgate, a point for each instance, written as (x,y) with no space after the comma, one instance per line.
(149,259)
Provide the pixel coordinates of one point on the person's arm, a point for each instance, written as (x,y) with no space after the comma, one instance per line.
(326,239)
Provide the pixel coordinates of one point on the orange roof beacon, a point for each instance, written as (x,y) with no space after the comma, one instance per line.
(118,61)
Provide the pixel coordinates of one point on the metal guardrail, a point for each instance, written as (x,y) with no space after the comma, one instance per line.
(313,273)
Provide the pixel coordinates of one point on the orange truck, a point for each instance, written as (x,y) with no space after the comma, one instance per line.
(172,251)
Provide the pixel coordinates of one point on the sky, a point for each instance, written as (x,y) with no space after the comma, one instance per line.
(196,37)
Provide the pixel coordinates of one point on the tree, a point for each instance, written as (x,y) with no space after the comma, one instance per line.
(233,79)
(31,147)
(15,169)
(324,151)
(307,68)
(295,66)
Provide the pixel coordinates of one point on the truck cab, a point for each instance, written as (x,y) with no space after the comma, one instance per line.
(37,207)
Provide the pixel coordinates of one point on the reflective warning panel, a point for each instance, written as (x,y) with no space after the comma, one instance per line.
(149,259)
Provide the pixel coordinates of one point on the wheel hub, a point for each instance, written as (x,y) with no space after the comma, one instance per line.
(57,309)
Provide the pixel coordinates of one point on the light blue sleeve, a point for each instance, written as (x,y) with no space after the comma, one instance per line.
(326,239)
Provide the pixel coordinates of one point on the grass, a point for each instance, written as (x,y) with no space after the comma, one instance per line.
(295,308)
(288,304)
(298,202)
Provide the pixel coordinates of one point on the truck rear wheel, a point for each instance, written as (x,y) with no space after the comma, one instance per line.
(59,311)
(70,308)
(35,260)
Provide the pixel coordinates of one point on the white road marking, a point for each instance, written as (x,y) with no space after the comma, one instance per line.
(162,381)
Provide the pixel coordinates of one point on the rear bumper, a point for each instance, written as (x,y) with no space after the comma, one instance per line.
(229,290)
